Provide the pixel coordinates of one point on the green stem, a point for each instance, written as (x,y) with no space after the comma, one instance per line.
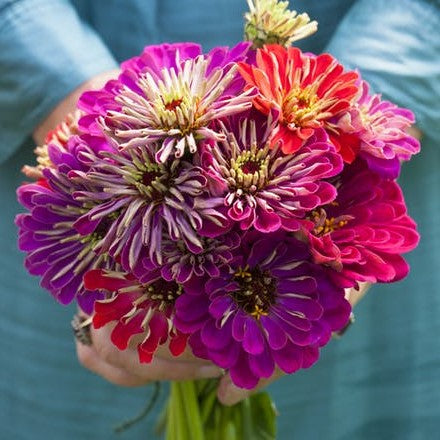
(174,432)
(207,405)
(192,409)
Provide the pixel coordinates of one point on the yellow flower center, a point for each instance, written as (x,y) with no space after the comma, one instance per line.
(250,170)
(301,106)
(326,225)
(256,291)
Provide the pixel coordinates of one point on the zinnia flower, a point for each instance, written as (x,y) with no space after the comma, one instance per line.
(145,309)
(307,91)
(380,127)
(58,136)
(181,265)
(147,200)
(364,232)
(271,307)
(170,94)
(261,186)
(269,21)
(56,251)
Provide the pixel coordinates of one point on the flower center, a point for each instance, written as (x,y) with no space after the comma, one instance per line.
(367,119)
(301,106)
(163,293)
(100,231)
(171,106)
(150,179)
(150,176)
(251,167)
(250,170)
(256,293)
(175,99)
(326,225)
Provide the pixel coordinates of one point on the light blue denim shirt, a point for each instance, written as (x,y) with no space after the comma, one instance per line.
(382,380)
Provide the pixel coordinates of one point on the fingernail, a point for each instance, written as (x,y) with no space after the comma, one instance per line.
(209,371)
(229,395)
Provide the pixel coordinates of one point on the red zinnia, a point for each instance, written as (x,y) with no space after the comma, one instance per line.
(307,91)
(145,309)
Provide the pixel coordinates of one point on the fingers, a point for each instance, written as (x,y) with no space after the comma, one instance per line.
(89,359)
(158,369)
(229,394)
(354,296)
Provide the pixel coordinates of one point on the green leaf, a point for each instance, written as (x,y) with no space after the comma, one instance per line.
(263,414)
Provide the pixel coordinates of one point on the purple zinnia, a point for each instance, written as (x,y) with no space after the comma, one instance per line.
(181,265)
(270,307)
(56,251)
(170,94)
(263,187)
(148,201)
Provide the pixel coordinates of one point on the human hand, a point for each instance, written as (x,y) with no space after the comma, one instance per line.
(123,367)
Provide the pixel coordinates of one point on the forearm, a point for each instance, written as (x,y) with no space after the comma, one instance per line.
(68,104)
(46,53)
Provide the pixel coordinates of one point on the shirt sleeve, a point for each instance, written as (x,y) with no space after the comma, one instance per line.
(396,46)
(46,52)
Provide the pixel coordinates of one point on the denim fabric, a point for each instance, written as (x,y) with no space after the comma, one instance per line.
(382,380)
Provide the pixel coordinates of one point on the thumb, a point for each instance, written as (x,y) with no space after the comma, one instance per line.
(229,394)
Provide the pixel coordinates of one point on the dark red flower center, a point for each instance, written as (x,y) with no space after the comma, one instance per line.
(256,293)
(150,176)
(171,106)
(251,167)
(163,293)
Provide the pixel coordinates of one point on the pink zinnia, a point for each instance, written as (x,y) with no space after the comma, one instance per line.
(380,127)
(170,94)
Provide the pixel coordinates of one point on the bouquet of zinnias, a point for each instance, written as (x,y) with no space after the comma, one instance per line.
(223,201)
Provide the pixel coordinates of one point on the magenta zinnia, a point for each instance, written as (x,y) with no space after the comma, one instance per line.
(262,187)
(364,232)
(170,94)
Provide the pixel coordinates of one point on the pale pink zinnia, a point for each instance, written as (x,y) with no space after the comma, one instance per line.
(381,128)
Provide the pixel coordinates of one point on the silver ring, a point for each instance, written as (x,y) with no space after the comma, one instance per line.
(81,329)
